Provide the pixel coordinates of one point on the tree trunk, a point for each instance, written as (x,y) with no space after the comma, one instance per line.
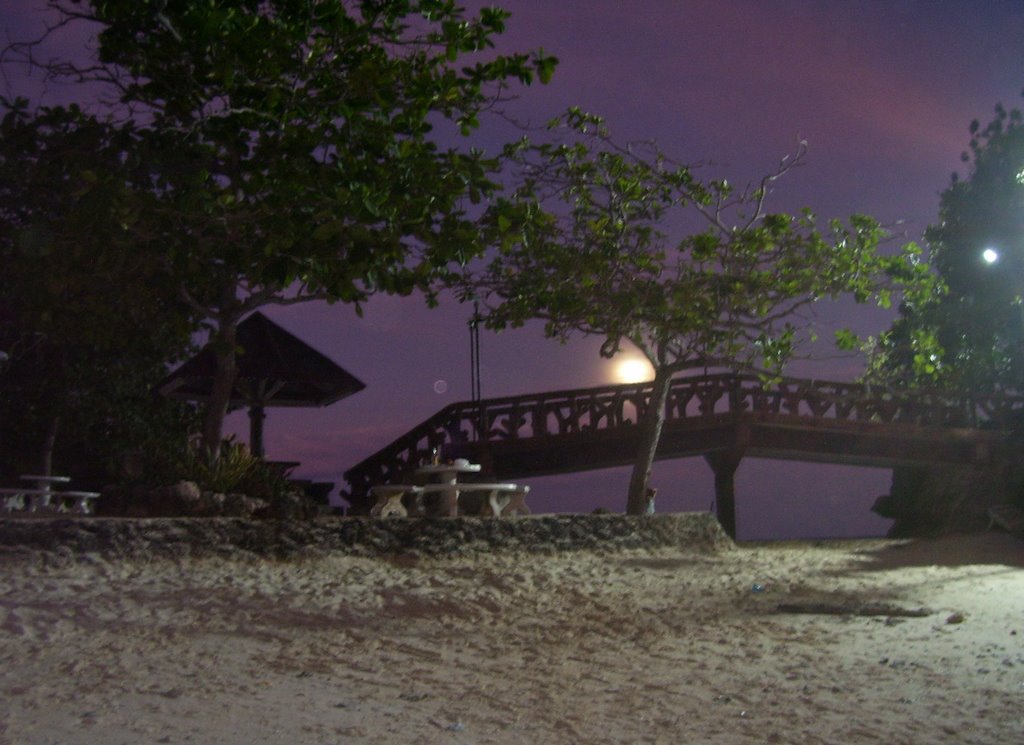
(650,435)
(223,344)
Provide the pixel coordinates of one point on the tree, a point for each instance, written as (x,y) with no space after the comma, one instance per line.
(582,245)
(971,336)
(87,323)
(292,145)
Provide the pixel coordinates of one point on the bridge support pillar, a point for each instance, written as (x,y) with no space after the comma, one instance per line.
(724,464)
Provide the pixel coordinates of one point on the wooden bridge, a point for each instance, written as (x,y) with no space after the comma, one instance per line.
(721,417)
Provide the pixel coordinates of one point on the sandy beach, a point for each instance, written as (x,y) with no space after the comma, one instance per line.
(807,642)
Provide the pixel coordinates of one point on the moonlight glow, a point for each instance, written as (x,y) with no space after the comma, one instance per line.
(633,370)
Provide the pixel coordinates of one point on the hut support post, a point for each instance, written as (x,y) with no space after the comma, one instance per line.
(256,417)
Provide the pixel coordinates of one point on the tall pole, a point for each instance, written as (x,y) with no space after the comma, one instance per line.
(474,353)
(256,417)
(474,368)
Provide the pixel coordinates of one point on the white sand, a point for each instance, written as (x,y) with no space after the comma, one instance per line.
(628,647)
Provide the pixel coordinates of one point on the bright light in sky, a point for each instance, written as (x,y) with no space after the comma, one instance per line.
(990,255)
(633,370)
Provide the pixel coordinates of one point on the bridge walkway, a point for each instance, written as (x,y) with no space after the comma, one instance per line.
(722,417)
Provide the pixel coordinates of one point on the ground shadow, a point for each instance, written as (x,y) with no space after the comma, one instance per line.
(993,547)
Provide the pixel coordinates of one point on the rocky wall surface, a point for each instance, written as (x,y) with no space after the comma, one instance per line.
(941,499)
(109,538)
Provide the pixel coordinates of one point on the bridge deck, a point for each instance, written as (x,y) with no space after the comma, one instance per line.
(567,431)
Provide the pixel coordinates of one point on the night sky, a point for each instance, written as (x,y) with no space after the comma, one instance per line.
(883,91)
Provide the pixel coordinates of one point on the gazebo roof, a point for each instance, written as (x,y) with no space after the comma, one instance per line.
(275,368)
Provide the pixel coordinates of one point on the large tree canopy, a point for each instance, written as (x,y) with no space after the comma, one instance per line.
(971,336)
(296,147)
(584,244)
(87,322)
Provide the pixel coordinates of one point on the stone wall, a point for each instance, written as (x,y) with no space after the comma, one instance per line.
(198,537)
(186,499)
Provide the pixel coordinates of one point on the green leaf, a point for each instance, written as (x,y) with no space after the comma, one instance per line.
(846,340)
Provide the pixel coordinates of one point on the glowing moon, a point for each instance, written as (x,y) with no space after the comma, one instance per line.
(633,370)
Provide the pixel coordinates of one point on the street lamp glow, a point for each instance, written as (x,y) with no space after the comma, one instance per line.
(990,255)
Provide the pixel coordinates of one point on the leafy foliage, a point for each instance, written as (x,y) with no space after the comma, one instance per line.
(236,471)
(583,245)
(971,336)
(294,148)
(588,253)
(87,323)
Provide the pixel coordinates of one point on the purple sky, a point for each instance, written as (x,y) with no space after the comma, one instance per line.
(882,90)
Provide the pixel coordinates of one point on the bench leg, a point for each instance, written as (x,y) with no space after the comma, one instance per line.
(516,505)
(39,502)
(496,502)
(393,507)
(503,503)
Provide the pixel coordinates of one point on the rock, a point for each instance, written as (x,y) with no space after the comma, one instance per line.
(75,539)
(184,491)
(252,505)
(884,506)
(941,499)
(292,506)
(210,504)
(234,506)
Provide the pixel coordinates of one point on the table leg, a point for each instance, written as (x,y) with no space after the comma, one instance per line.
(496,502)
(516,505)
(449,502)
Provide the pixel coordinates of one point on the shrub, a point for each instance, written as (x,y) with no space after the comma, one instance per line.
(236,471)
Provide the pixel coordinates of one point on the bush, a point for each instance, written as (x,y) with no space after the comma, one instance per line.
(236,471)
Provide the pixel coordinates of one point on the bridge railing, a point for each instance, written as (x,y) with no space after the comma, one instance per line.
(705,397)
(513,417)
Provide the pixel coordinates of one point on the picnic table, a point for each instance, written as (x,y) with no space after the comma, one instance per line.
(503,498)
